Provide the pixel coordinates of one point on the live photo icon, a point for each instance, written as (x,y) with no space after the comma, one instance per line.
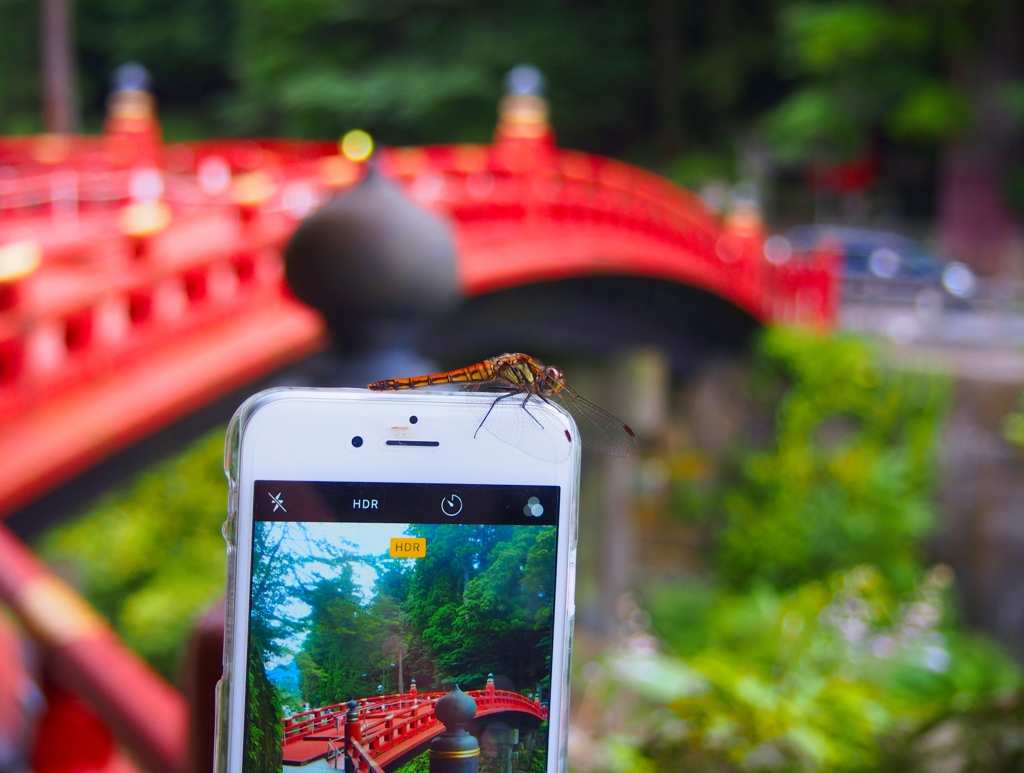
(408,547)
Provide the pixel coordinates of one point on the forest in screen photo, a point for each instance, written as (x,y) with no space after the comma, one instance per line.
(334,617)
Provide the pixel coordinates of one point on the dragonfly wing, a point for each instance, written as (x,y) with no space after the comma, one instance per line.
(493,385)
(513,419)
(599,430)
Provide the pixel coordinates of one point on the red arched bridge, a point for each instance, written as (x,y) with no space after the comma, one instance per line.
(389,729)
(140,281)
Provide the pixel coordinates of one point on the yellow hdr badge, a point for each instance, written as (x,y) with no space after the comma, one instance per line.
(408,547)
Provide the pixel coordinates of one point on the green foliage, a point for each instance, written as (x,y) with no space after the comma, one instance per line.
(837,675)
(500,621)
(341,656)
(262,750)
(415,72)
(834,37)
(822,79)
(539,760)
(811,119)
(1013,425)
(480,601)
(933,110)
(859,67)
(150,556)
(694,169)
(819,642)
(418,764)
(848,478)
(19,94)
(185,44)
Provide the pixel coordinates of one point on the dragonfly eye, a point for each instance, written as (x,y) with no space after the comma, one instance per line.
(555,375)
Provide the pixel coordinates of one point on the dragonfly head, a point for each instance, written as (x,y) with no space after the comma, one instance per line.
(556,379)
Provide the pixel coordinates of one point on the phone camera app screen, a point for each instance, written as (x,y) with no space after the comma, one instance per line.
(370,603)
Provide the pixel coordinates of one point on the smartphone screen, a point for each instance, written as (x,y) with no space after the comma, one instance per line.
(390,595)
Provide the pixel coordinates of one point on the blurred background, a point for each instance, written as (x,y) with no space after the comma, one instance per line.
(780,239)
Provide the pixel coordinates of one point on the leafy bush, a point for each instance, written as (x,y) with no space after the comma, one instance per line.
(848,478)
(150,556)
(819,641)
(836,675)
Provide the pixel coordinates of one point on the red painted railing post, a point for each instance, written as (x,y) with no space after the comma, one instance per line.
(86,658)
(353,736)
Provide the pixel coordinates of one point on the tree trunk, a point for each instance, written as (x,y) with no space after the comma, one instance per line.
(974,222)
(59,93)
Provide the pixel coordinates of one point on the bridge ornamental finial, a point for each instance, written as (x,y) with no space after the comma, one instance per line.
(523,113)
(130,95)
(375,264)
(490,684)
(525,80)
(131,114)
(455,750)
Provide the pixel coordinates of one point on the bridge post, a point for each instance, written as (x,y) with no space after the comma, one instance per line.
(455,750)
(490,684)
(353,732)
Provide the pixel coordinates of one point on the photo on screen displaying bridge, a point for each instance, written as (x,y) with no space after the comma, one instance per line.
(336,619)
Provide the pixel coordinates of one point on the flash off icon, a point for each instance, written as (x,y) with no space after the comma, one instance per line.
(534,508)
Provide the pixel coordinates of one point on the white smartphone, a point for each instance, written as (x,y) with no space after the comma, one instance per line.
(387,551)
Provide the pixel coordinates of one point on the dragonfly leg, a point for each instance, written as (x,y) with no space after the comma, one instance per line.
(525,401)
(484,419)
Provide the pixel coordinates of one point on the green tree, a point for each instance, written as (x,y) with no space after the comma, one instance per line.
(481,602)
(414,72)
(939,76)
(342,647)
(504,624)
(262,743)
(848,478)
(276,574)
(861,67)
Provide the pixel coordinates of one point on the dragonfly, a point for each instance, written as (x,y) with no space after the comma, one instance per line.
(521,379)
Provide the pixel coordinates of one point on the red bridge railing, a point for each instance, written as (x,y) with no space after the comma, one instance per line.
(387,725)
(364,763)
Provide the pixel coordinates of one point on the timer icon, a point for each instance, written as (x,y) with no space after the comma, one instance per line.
(451,506)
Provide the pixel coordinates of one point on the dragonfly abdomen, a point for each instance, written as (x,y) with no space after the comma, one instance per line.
(482,371)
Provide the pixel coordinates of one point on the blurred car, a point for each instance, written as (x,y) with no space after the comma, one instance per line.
(886,264)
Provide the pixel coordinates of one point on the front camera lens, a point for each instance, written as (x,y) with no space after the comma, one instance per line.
(413,419)
(357,441)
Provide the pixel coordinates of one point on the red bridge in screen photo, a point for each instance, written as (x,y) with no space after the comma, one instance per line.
(379,734)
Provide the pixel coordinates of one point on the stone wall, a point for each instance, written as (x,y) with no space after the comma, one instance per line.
(505,749)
